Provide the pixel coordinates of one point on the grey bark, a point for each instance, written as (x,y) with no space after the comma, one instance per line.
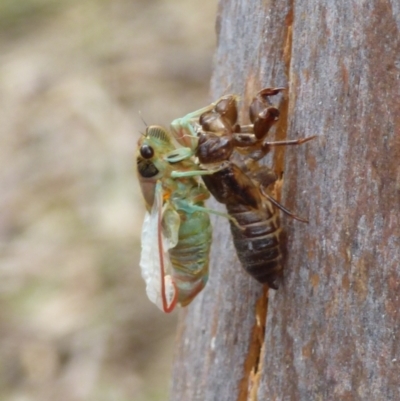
(331,332)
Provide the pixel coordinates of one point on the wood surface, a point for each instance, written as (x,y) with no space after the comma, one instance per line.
(331,332)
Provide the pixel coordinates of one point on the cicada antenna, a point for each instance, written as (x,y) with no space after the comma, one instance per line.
(143,120)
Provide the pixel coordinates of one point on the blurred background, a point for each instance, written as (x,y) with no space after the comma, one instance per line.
(75,323)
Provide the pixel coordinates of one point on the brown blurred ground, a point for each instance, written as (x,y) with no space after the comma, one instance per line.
(75,323)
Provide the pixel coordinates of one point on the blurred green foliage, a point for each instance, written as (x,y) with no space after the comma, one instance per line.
(14,14)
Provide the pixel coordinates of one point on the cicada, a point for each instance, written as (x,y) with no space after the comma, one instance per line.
(176,234)
(241,182)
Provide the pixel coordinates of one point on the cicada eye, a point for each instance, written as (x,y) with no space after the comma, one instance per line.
(146,152)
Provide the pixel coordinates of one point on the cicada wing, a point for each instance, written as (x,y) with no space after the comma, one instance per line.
(154,261)
(148,261)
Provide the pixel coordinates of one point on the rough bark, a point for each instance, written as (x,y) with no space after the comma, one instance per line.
(331,331)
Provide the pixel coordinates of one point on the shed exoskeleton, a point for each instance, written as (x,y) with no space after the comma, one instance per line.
(240,182)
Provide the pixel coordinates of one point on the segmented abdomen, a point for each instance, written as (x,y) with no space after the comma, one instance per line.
(258,242)
(190,257)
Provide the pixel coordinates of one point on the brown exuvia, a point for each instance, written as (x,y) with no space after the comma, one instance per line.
(242,183)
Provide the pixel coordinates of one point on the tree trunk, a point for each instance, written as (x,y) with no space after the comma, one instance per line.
(331,331)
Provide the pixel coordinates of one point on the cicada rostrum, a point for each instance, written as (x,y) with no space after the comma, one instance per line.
(240,182)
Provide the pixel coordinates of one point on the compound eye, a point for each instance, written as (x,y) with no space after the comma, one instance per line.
(146,152)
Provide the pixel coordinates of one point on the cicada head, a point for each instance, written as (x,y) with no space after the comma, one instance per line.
(151,165)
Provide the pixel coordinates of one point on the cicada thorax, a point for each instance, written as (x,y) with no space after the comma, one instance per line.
(176,267)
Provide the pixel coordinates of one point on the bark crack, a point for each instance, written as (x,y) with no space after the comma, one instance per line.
(248,386)
(253,368)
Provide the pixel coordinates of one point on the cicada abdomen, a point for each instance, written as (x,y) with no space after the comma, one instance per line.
(259,244)
(190,256)
(176,235)
(257,236)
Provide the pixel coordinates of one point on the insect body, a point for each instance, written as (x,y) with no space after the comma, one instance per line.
(242,183)
(176,234)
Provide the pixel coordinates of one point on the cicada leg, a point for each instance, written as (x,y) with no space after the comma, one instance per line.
(191,208)
(245,139)
(266,145)
(197,173)
(248,143)
(183,129)
(179,154)
(281,207)
(261,102)
(262,114)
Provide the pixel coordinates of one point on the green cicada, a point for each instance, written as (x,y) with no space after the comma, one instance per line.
(176,235)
